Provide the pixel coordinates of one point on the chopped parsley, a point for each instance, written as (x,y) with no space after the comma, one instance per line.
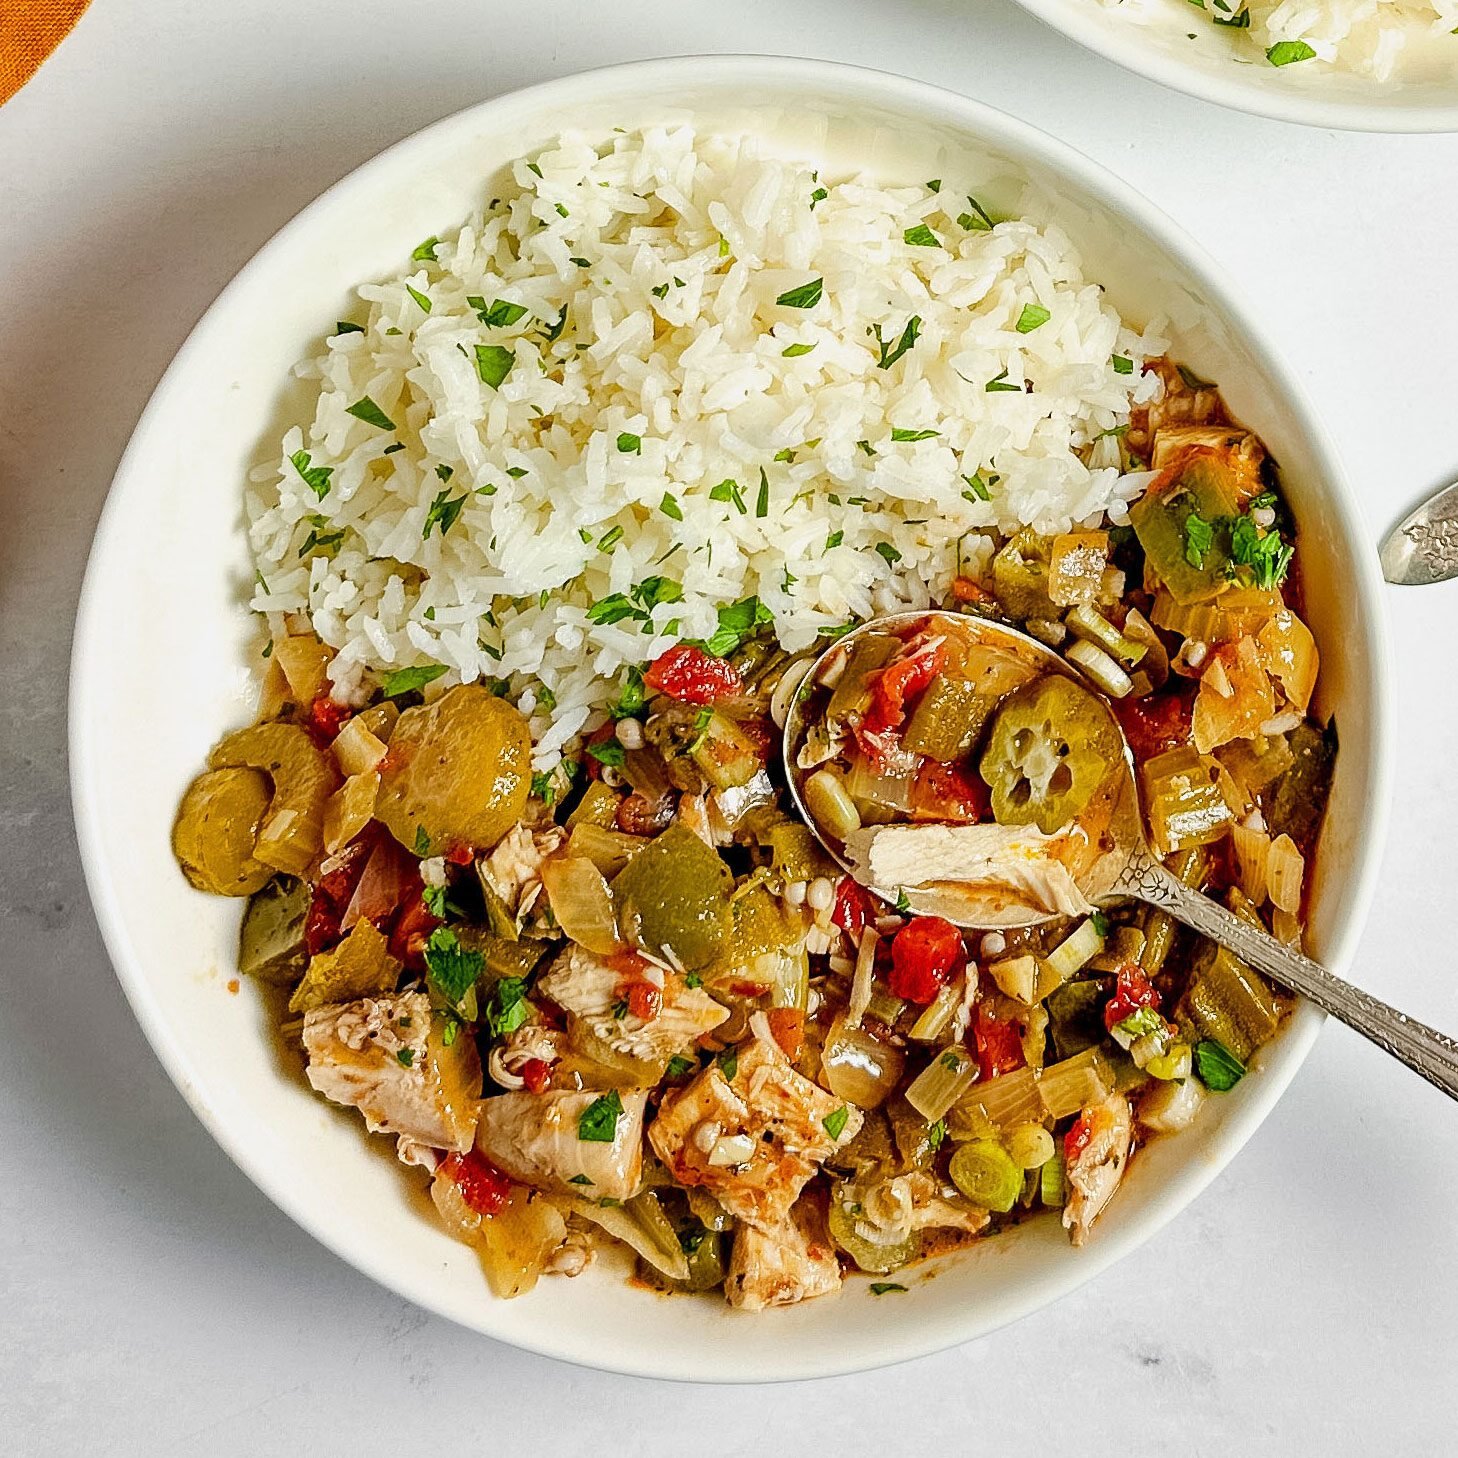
(407,680)
(889,552)
(914,434)
(631,697)
(443,513)
(678,1065)
(434,898)
(794,351)
(365,409)
(903,901)
(599,1121)
(1199,538)
(921,237)
(999,383)
(1192,380)
(804,297)
(405,1056)
(1283,53)
(629,444)
(419,298)
(729,1063)
(493,363)
(451,970)
(728,490)
(609,539)
(1123,365)
(554,330)
(818,196)
(976,488)
(499,313)
(834,540)
(1100,924)
(1217,1066)
(348,326)
(835,1121)
(669,507)
(425,253)
(936,1134)
(506,1009)
(693,980)
(609,752)
(1032,317)
(890,353)
(316,478)
(611,609)
(882,1288)
(579,1179)
(978,220)
(761,501)
(1268,557)
(737,621)
(445,472)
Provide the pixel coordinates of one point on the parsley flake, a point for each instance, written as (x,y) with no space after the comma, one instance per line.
(599,1121)
(804,297)
(365,409)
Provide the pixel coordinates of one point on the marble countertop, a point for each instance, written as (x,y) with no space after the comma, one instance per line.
(154,1302)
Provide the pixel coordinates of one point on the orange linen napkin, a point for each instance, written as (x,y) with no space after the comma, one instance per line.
(29,31)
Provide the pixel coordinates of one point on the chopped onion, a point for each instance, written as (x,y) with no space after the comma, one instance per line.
(1285,870)
(860,994)
(1017,977)
(581,902)
(1252,856)
(941,1083)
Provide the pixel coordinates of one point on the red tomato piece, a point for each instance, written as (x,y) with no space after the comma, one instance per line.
(1157,722)
(852,908)
(999,1046)
(536,1073)
(1076,1140)
(483,1187)
(645,1001)
(325,719)
(787,1027)
(1132,990)
(412,930)
(925,954)
(691,676)
(901,682)
(950,792)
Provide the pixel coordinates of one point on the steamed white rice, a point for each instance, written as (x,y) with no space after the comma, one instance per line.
(601,459)
(1368,37)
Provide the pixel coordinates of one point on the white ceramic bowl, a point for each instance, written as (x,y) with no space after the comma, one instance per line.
(1176,45)
(159,674)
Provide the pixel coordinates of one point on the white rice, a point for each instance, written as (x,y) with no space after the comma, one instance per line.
(1368,37)
(672,376)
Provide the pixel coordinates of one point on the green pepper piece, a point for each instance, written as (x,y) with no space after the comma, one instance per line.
(1296,802)
(1051,747)
(673,898)
(1202,486)
(948,719)
(271,942)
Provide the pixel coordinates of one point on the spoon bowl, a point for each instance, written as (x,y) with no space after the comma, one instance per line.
(1106,852)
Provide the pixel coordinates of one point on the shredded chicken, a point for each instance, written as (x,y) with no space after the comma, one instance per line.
(536,1138)
(1016,858)
(514,868)
(532,1042)
(783,1114)
(1094,1173)
(591,992)
(377,1055)
(789,1261)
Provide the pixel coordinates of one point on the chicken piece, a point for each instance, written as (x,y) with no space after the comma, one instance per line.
(513,870)
(1095,1171)
(1242,452)
(967,860)
(591,991)
(936,1208)
(753,1140)
(791,1261)
(387,1057)
(536,1138)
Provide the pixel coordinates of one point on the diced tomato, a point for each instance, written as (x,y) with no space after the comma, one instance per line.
(925,954)
(852,908)
(645,1001)
(787,1027)
(483,1187)
(901,682)
(460,855)
(999,1046)
(638,815)
(692,676)
(761,731)
(950,792)
(1132,990)
(412,930)
(1077,1138)
(325,719)
(965,590)
(536,1073)
(1157,722)
(333,894)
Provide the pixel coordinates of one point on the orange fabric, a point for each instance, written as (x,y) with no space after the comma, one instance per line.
(29,31)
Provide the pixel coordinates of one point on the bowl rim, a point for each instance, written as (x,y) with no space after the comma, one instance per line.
(1114,39)
(929,102)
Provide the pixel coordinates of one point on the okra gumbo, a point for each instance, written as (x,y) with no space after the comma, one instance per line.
(632,999)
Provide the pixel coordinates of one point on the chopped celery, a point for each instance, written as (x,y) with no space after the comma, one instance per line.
(986,1174)
(726,756)
(1068,1086)
(937,1014)
(852,693)
(1053,1181)
(1184,799)
(1093,627)
(1072,954)
(1011,1098)
(795,854)
(948,719)
(941,1083)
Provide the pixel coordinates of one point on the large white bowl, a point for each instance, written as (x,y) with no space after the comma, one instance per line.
(1177,45)
(159,674)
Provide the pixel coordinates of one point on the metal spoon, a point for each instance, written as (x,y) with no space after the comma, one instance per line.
(1124,866)
(1423,547)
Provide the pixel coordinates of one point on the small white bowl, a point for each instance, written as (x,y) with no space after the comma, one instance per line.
(1178,46)
(159,674)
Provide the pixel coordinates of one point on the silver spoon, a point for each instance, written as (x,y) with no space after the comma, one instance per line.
(1124,866)
(1423,546)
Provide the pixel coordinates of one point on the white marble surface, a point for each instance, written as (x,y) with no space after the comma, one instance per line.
(151,1301)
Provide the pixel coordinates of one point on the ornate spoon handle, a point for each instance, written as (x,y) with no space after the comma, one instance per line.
(1426,1051)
